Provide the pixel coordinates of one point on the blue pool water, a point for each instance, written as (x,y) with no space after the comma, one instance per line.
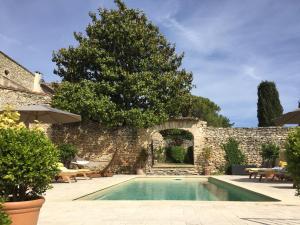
(194,189)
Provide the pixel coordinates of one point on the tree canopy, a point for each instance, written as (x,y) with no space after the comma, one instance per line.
(122,72)
(268,104)
(206,110)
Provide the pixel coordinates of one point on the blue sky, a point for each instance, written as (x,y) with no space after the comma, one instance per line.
(230,46)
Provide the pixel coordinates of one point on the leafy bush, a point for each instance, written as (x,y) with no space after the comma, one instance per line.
(67,152)
(160,154)
(4,218)
(269,153)
(233,154)
(27,162)
(176,154)
(293,156)
(178,135)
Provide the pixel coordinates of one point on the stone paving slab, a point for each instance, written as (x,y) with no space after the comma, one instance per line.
(60,209)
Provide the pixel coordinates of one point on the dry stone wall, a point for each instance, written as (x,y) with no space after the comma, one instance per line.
(250,140)
(121,147)
(118,148)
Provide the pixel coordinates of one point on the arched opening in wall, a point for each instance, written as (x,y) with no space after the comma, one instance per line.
(173,146)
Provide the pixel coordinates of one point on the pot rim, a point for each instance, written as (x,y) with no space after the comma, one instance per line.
(24,204)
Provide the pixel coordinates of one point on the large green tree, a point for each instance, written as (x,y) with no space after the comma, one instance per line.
(268,105)
(205,109)
(122,72)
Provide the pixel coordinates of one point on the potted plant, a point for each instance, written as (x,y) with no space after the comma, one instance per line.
(235,159)
(207,152)
(269,153)
(28,163)
(67,153)
(4,218)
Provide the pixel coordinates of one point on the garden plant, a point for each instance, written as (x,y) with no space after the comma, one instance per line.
(176,154)
(67,152)
(269,153)
(28,164)
(4,218)
(233,155)
(293,157)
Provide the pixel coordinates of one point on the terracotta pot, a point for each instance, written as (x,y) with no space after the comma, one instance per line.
(140,172)
(24,213)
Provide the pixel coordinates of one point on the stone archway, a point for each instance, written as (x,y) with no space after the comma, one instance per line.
(192,125)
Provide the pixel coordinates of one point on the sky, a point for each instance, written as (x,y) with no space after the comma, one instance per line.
(230,45)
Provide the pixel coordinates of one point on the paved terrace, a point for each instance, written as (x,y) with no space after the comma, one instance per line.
(59,208)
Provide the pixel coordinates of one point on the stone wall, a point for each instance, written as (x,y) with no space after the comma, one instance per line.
(250,140)
(17,97)
(15,72)
(119,148)
(122,147)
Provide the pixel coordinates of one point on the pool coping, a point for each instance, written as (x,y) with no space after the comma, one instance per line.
(276,198)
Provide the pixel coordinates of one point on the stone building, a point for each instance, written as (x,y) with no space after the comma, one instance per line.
(19,86)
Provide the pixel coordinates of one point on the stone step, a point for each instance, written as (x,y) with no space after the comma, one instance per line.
(173,171)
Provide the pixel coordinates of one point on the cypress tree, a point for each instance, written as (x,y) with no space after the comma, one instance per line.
(268,105)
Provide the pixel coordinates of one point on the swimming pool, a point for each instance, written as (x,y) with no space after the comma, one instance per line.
(193,189)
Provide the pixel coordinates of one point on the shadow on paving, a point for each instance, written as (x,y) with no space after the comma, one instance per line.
(273,221)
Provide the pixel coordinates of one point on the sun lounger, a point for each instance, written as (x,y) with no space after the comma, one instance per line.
(253,172)
(68,174)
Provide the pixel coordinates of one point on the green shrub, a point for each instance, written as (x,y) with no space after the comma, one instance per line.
(176,154)
(160,155)
(27,163)
(4,218)
(233,154)
(67,152)
(293,156)
(269,153)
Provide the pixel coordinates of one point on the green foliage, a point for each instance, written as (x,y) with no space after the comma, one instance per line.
(176,154)
(67,152)
(27,163)
(4,218)
(233,154)
(206,110)
(269,153)
(122,72)
(177,135)
(268,105)
(160,155)
(293,156)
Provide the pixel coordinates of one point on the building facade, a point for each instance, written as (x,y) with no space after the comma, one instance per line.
(19,86)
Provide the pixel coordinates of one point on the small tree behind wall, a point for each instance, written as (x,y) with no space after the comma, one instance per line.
(268,105)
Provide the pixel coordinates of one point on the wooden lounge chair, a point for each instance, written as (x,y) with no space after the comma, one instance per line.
(266,173)
(69,174)
(253,172)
